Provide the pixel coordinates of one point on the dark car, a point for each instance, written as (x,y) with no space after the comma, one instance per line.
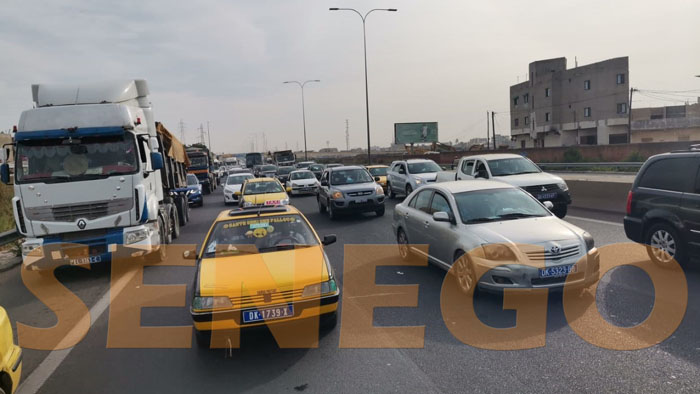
(283,173)
(663,207)
(317,169)
(193,191)
(349,189)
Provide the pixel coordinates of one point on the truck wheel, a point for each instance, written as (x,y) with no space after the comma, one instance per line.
(165,229)
(161,253)
(181,206)
(175,223)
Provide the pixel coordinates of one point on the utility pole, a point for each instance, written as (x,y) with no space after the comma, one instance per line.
(209,136)
(629,118)
(201,134)
(488,136)
(347,135)
(182,131)
(493,128)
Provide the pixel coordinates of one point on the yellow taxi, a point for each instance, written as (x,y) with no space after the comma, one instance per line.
(260,266)
(10,357)
(258,192)
(379,171)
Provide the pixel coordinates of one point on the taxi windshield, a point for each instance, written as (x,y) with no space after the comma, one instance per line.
(262,187)
(259,235)
(378,171)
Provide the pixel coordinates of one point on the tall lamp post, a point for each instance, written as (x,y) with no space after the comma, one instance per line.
(303,109)
(364,38)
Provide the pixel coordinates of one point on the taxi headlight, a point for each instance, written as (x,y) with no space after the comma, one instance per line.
(135,236)
(498,252)
(284,201)
(31,247)
(247,204)
(320,288)
(337,195)
(203,303)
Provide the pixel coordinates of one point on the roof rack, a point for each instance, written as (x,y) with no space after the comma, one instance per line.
(259,210)
(691,148)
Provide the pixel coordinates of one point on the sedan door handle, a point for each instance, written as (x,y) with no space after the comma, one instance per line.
(427,224)
(405,215)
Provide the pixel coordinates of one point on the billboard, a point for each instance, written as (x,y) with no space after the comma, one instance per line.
(415,133)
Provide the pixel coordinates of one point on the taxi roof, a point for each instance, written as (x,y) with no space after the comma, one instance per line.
(377,166)
(245,213)
(263,180)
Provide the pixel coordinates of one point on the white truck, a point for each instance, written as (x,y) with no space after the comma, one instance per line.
(92,172)
(515,170)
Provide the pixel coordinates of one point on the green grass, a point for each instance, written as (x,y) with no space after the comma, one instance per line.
(7,219)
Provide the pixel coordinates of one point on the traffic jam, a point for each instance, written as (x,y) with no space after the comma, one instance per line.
(495,223)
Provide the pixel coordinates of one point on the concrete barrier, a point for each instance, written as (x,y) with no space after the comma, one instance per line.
(598,193)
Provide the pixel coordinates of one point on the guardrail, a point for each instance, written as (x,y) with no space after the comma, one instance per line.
(9,236)
(626,166)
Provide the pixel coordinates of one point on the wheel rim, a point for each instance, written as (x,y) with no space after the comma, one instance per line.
(663,246)
(403,245)
(465,274)
(409,190)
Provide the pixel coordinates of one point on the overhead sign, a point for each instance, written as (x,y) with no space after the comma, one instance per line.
(415,133)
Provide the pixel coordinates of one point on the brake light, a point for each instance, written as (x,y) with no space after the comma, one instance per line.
(629,202)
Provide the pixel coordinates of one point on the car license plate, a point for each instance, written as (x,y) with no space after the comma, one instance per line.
(272,202)
(86,260)
(361,200)
(546,196)
(558,271)
(278,312)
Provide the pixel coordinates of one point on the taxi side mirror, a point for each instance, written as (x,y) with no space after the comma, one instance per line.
(189,255)
(329,239)
(237,193)
(289,189)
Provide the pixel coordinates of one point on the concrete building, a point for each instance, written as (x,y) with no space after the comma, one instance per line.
(665,124)
(556,106)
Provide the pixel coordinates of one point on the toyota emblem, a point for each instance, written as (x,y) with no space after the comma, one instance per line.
(81,224)
(555,249)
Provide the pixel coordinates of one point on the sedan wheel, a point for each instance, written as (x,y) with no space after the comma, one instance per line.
(321,208)
(409,190)
(465,274)
(664,246)
(402,240)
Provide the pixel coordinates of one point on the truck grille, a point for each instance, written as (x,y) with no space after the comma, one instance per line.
(539,188)
(548,255)
(73,212)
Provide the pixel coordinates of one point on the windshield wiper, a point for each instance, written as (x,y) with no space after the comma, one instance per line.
(284,247)
(482,220)
(517,215)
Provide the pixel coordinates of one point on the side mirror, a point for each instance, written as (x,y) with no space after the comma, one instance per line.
(156,161)
(329,239)
(5,173)
(443,217)
(237,193)
(401,171)
(324,183)
(377,179)
(482,174)
(189,255)
(549,205)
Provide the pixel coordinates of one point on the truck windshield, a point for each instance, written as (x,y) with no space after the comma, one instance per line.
(198,161)
(253,159)
(515,166)
(64,160)
(282,157)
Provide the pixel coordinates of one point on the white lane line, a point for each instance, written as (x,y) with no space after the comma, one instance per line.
(595,221)
(51,363)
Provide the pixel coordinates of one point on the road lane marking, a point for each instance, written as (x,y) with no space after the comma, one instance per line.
(50,364)
(596,221)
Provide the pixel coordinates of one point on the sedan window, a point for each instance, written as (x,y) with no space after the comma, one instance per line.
(439,204)
(421,201)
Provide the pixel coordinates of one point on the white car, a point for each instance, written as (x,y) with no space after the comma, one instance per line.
(494,234)
(302,182)
(234,182)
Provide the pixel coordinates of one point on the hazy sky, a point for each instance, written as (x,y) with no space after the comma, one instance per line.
(442,60)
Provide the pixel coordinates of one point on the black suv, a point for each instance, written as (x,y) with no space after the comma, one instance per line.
(663,207)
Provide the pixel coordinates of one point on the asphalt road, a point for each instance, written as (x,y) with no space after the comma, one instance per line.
(567,363)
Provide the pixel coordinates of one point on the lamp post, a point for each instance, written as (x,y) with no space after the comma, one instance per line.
(303,109)
(364,38)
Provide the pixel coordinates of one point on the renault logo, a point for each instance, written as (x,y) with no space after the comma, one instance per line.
(555,249)
(81,224)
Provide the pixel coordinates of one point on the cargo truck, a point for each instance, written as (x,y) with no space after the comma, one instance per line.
(202,166)
(94,171)
(284,158)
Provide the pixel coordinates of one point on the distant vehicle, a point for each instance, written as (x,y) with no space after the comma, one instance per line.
(253,159)
(234,182)
(302,181)
(296,257)
(202,165)
(283,173)
(404,176)
(260,192)
(379,172)
(238,170)
(317,169)
(284,158)
(663,207)
(304,164)
(347,190)
(333,165)
(481,225)
(267,171)
(10,356)
(515,170)
(231,161)
(193,191)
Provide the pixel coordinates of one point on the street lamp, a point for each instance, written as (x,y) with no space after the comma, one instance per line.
(303,110)
(364,38)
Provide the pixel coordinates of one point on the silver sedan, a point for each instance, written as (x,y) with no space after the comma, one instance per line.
(496,234)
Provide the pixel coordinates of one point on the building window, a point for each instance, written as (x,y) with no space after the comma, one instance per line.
(620,79)
(546,116)
(526,98)
(647,140)
(589,140)
(547,92)
(657,116)
(522,144)
(516,121)
(617,139)
(622,108)
(587,112)
(587,84)
(515,101)
(527,120)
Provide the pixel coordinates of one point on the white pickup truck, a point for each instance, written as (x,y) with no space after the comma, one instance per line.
(515,170)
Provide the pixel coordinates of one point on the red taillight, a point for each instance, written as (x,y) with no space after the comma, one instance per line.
(629,202)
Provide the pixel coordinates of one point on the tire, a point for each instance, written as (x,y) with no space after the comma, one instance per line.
(392,195)
(187,211)
(464,273)
(402,241)
(328,321)
(560,211)
(207,188)
(409,190)
(160,254)
(332,214)
(168,232)
(321,207)
(181,207)
(664,245)
(380,211)
(201,203)
(2,391)
(175,222)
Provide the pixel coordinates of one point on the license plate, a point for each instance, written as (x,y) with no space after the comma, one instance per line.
(86,260)
(546,196)
(272,202)
(555,272)
(274,313)
(361,200)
